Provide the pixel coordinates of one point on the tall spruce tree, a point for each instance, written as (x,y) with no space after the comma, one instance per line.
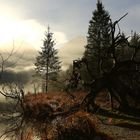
(135,45)
(98,39)
(47,62)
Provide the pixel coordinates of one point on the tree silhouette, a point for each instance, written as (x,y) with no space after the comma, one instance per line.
(98,38)
(135,44)
(47,62)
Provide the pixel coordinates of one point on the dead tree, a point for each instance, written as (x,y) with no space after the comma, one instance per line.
(118,81)
(11,91)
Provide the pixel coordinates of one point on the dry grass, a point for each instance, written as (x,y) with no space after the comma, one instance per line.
(39,105)
(76,126)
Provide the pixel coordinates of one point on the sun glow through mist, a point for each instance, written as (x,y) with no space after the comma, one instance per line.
(27,31)
(25,35)
(21,30)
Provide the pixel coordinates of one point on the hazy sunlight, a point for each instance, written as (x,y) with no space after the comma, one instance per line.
(26,31)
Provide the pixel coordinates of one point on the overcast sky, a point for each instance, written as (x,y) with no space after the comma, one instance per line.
(26,20)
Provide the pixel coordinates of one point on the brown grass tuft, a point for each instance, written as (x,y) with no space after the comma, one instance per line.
(77,126)
(42,105)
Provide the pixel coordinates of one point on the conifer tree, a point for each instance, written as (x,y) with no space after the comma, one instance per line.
(47,62)
(135,45)
(98,39)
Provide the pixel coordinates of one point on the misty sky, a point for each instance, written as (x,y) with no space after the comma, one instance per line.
(25,22)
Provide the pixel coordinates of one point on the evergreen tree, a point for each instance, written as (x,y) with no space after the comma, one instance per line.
(135,45)
(122,51)
(98,39)
(47,62)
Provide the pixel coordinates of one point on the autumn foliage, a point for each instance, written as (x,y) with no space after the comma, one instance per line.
(40,106)
(77,125)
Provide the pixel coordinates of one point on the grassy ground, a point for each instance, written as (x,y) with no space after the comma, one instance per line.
(114,123)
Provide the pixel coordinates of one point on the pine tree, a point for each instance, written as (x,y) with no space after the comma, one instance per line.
(98,38)
(135,45)
(47,62)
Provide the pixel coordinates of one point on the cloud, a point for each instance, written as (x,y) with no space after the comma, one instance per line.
(26,31)
(70,17)
(22,58)
(64,16)
(134,18)
(24,54)
(72,50)
(29,31)
(67,19)
(59,38)
(131,21)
